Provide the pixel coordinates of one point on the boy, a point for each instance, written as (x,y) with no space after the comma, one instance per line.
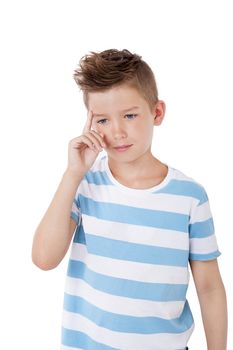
(137,223)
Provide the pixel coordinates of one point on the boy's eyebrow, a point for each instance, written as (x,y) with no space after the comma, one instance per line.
(124,110)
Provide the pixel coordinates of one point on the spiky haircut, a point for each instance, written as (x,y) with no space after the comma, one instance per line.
(98,72)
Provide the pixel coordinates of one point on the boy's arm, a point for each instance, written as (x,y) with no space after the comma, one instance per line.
(213,303)
(54,233)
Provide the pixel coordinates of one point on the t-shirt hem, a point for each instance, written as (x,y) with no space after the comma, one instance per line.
(205,257)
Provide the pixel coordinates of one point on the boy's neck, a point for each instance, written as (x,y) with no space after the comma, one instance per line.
(144,172)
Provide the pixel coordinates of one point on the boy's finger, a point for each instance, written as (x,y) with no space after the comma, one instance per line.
(87,126)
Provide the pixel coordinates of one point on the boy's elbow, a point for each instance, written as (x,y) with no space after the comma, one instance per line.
(42,266)
(43,263)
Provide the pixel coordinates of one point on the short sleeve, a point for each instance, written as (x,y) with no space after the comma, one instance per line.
(75,213)
(202,239)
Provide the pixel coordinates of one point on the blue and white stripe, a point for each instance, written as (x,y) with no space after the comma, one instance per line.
(128,273)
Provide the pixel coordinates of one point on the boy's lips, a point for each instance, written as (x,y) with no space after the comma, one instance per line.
(122,147)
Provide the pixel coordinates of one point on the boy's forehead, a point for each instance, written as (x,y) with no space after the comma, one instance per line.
(120,111)
(115,99)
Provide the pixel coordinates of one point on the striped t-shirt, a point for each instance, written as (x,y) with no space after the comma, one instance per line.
(128,271)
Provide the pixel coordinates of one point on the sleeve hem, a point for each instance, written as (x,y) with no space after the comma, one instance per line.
(205,257)
(75,217)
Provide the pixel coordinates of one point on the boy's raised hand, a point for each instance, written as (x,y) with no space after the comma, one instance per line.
(84,149)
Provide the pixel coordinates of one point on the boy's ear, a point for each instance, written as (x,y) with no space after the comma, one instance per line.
(158,119)
(155,120)
(159,112)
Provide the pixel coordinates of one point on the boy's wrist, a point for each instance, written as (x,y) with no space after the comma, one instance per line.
(73,175)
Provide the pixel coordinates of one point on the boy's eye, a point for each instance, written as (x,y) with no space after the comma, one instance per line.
(101,121)
(129,116)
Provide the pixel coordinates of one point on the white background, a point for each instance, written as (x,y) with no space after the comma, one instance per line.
(188,44)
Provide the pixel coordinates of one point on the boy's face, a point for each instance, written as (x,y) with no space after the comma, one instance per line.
(123,118)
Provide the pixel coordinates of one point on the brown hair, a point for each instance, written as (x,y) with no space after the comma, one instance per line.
(101,71)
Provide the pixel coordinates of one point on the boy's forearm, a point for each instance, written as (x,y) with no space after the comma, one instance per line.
(52,236)
(214,315)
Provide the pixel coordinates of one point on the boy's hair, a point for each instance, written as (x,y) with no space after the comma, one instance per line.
(104,70)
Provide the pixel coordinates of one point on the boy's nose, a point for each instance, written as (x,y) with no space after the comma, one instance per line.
(118,131)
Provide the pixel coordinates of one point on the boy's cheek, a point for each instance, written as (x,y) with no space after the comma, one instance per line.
(96,128)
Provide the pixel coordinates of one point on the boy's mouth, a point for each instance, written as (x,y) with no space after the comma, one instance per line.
(122,148)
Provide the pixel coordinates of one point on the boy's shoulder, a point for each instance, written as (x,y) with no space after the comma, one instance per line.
(188,185)
(99,164)
(179,181)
